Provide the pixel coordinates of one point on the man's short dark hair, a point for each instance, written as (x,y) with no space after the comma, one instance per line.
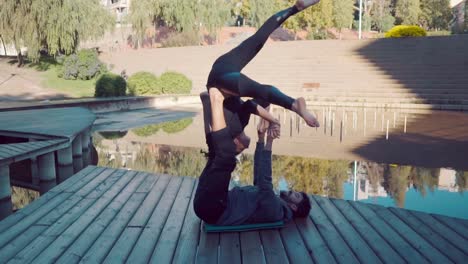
(303,208)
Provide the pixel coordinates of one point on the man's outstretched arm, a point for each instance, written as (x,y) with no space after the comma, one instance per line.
(263,178)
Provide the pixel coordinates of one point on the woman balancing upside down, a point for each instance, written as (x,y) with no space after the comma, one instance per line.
(226,71)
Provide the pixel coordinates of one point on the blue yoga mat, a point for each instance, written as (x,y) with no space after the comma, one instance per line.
(240,228)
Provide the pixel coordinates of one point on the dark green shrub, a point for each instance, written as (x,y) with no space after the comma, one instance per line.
(143,83)
(175,83)
(113,134)
(405,31)
(181,40)
(84,65)
(110,85)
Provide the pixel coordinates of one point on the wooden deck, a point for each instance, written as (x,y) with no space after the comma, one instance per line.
(46,123)
(10,153)
(115,216)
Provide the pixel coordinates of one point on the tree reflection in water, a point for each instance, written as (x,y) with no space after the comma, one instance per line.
(311,175)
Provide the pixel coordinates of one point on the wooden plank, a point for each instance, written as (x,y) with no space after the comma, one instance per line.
(148,184)
(79,179)
(251,247)
(103,244)
(188,241)
(433,238)
(58,212)
(121,249)
(39,244)
(452,224)
(11,150)
(123,246)
(208,248)
(79,247)
(30,208)
(442,230)
(144,247)
(409,235)
(54,250)
(166,245)
(314,241)
(401,246)
(338,247)
(17,244)
(146,209)
(29,220)
(273,248)
(11,153)
(295,248)
(229,248)
(359,246)
(386,253)
(97,184)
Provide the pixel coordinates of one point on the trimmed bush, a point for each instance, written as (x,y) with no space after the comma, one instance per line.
(175,83)
(405,31)
(144,83)
(84,65)
(110,85)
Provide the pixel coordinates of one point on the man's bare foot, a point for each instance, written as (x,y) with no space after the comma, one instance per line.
(299,106)
(303,4)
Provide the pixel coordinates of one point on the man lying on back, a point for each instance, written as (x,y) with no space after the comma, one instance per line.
(214,203)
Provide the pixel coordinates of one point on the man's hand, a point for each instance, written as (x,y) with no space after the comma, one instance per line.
(274,130)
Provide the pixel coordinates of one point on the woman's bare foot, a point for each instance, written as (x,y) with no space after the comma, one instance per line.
(299,106)
(303,4)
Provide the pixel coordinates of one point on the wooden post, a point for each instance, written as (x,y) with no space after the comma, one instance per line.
(387,129)
(405,125)
(6,207)
(64,164)
(46,170)
(85,140)
(77,151)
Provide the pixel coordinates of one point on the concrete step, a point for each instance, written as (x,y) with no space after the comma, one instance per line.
(399,96)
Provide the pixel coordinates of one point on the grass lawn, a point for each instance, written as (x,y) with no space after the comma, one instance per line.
(74,88)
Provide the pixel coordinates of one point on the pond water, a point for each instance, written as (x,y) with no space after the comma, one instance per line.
(393,158)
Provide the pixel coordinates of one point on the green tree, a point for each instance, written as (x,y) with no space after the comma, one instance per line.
(343,14)
(435,14)
(407,12)
(55,25)
(182,15)
(382,19)
(317,17)
(261,10)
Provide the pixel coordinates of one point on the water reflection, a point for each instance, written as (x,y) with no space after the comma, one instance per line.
(318,176)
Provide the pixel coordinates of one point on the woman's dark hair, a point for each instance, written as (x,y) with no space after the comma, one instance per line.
(303,208)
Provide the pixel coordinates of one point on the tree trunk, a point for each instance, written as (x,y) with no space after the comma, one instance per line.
(3,44)
(20,59)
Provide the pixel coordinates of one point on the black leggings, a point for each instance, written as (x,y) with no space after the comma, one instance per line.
(225,73)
